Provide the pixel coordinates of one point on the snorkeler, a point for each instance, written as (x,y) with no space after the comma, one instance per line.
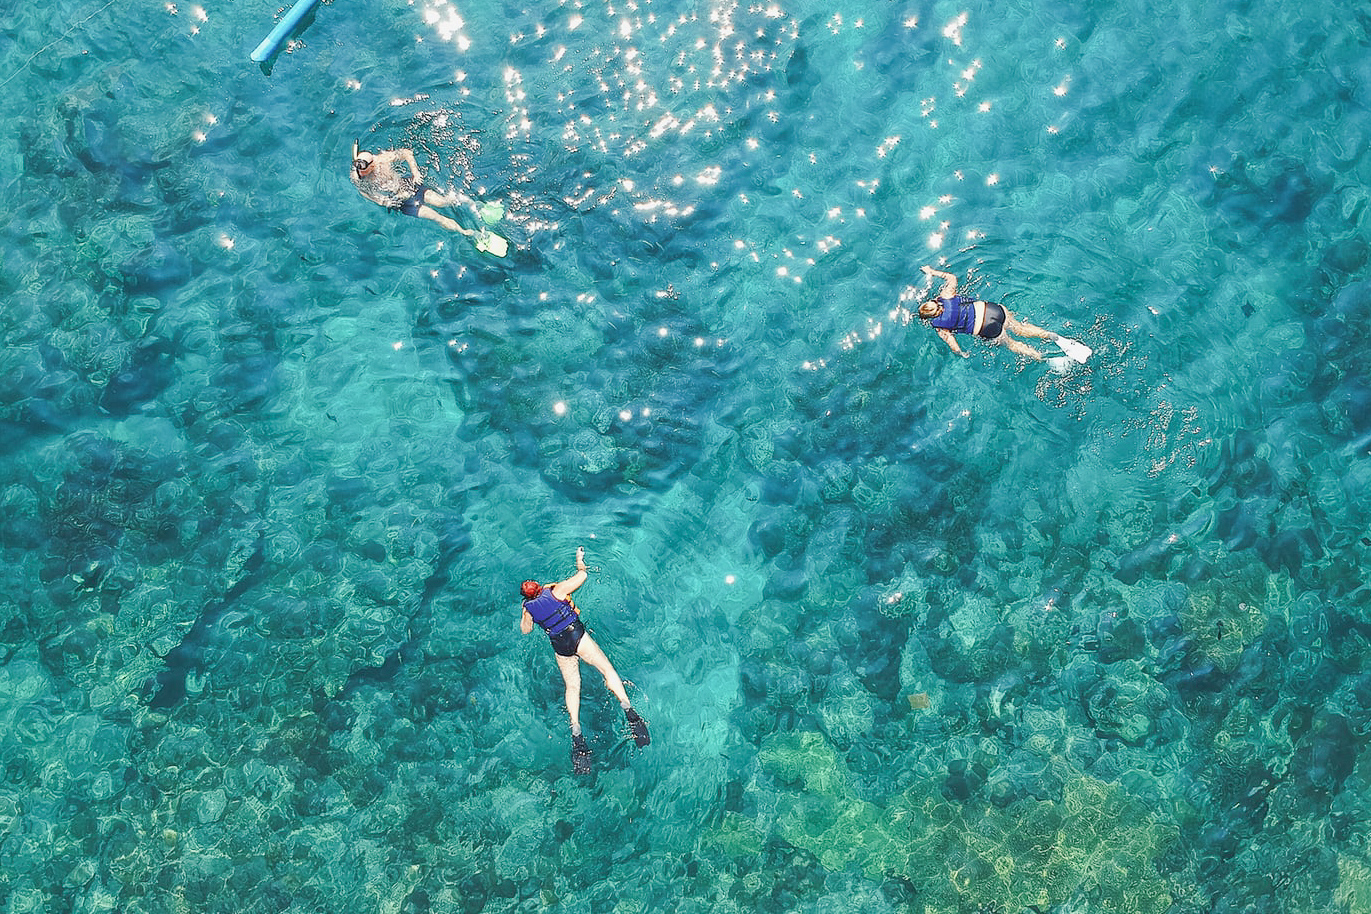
(377,177)
(951,314)
(552,608)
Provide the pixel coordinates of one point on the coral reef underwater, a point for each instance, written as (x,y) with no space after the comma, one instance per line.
(914,634)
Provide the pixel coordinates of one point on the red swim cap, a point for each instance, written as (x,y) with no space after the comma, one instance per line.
(530,589)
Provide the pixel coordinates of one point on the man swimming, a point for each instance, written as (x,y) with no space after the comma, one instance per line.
(951,314)
(377,176)
(551,607)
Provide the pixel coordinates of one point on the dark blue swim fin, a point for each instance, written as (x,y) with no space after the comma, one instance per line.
(638,727)
(580,755)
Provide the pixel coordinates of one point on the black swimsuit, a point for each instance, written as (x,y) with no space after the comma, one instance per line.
(411,206)
(993,325)
(568,639)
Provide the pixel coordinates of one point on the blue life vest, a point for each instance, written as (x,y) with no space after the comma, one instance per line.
(959,315)
(551,613)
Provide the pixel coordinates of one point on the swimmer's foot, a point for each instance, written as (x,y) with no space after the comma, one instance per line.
(638,727)
(580,755)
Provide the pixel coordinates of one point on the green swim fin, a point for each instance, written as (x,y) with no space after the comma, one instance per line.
(490,212)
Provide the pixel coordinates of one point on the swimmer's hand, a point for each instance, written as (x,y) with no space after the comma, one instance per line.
(408,155)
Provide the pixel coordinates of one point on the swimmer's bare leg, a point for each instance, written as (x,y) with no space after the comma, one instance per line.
(592,654)
(570,669)
(428,212)
(1019,348)
(434,198)
(1023,328)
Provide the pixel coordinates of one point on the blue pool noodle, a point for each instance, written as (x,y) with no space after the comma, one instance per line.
(272,43)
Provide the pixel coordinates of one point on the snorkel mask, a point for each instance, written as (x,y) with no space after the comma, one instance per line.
(356,166)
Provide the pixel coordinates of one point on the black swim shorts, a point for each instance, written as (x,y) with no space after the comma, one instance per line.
(993,325)
(568,639)
(411,206)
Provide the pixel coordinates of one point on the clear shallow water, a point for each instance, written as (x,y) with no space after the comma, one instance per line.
(914,634)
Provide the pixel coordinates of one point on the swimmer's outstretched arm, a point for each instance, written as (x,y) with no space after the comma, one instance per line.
(950,339)
(564,589)
(408,155)
(949,282)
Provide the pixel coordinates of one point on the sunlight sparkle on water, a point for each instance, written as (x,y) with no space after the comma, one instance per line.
(953,30)
(625,81)
(443,18)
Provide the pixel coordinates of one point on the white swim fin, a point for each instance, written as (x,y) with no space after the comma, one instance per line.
(1060,364)
(490,243)
(1078,351)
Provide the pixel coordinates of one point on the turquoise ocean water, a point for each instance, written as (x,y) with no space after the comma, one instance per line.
(914,633)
